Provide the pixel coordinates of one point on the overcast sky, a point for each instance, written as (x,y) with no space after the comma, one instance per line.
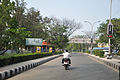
(79,10)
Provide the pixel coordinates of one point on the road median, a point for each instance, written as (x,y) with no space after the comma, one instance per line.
(15,69)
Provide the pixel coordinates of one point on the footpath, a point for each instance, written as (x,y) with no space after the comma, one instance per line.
(14,69)
(113,63)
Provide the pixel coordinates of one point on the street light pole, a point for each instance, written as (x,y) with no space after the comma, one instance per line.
(86,37)
(110,23)
(110,10)
(92,25)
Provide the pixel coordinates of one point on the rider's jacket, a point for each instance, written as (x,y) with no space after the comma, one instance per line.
(66,55)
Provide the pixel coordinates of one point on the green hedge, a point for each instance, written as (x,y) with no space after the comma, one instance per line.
(87,51)
(98,53)
(11,59)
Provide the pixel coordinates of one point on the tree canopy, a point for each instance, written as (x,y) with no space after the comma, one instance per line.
(102,31)
(18,22)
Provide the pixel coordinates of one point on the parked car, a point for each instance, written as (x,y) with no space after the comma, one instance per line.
(115,51)
(107,54)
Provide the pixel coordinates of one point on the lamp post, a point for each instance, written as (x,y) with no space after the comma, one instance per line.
(92,25)
(110,29)
(86,37)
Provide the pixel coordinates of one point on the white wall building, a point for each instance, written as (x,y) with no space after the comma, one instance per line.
(81,40)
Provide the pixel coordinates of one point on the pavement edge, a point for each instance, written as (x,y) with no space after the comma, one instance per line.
(17,70)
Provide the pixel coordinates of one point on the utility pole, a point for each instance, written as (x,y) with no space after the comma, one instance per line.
(110,28)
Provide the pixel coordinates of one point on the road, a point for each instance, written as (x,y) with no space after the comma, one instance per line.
(116,57)
(83,68)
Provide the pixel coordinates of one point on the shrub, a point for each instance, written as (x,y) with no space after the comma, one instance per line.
(11,59)
(98,53)
(87,51)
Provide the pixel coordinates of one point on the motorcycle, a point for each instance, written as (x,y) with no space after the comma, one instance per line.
(66,64)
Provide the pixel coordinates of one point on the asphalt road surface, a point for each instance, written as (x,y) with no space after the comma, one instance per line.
(116,57)
(82,68)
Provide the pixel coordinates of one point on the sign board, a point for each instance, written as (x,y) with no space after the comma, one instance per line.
(50,49)
(38,49)
(34,41)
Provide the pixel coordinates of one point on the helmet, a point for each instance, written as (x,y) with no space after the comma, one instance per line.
(66,50)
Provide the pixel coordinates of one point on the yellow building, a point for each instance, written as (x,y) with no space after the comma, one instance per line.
(103,45)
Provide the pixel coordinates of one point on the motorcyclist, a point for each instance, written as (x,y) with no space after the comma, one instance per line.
(66,55)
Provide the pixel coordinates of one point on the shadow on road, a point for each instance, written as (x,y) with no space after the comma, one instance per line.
(73,68)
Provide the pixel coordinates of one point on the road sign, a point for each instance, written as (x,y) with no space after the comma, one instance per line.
(34,41)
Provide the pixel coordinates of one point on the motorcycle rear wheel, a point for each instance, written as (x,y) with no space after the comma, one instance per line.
(66,67)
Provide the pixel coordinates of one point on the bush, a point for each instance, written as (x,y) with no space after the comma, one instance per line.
(58,52)
(11,59)
(87,51)
(98,53)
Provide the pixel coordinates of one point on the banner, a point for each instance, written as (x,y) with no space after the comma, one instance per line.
(50,49)
(38,49)
(34,41)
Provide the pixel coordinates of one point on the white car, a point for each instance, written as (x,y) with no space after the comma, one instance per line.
(107,54)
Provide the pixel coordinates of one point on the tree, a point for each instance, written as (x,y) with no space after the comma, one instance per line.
(102,31)
(12,34)
(20,8)
(58,38)
(6,11)
(71,26)
(60,30)
(17,22)
(33,21)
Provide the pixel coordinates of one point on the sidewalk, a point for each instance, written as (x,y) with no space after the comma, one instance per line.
(110,60)
(113,63)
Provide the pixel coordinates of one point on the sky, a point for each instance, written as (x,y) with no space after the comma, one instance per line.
(79,10)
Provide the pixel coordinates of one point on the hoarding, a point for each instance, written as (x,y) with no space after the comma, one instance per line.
(34,41)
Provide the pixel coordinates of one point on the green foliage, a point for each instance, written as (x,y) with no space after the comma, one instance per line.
(102,31)
(81,47)
(58,52)
(15,58)
(87,51)
(17,23)
(98,53)
(11,34)
(58,36)
(6,10)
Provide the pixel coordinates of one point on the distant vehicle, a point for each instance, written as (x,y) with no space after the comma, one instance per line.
(107,54)
(115,51)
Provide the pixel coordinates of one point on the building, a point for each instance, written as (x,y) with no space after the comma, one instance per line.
(101,45)
(82,40)
(38,45)
(45,47)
